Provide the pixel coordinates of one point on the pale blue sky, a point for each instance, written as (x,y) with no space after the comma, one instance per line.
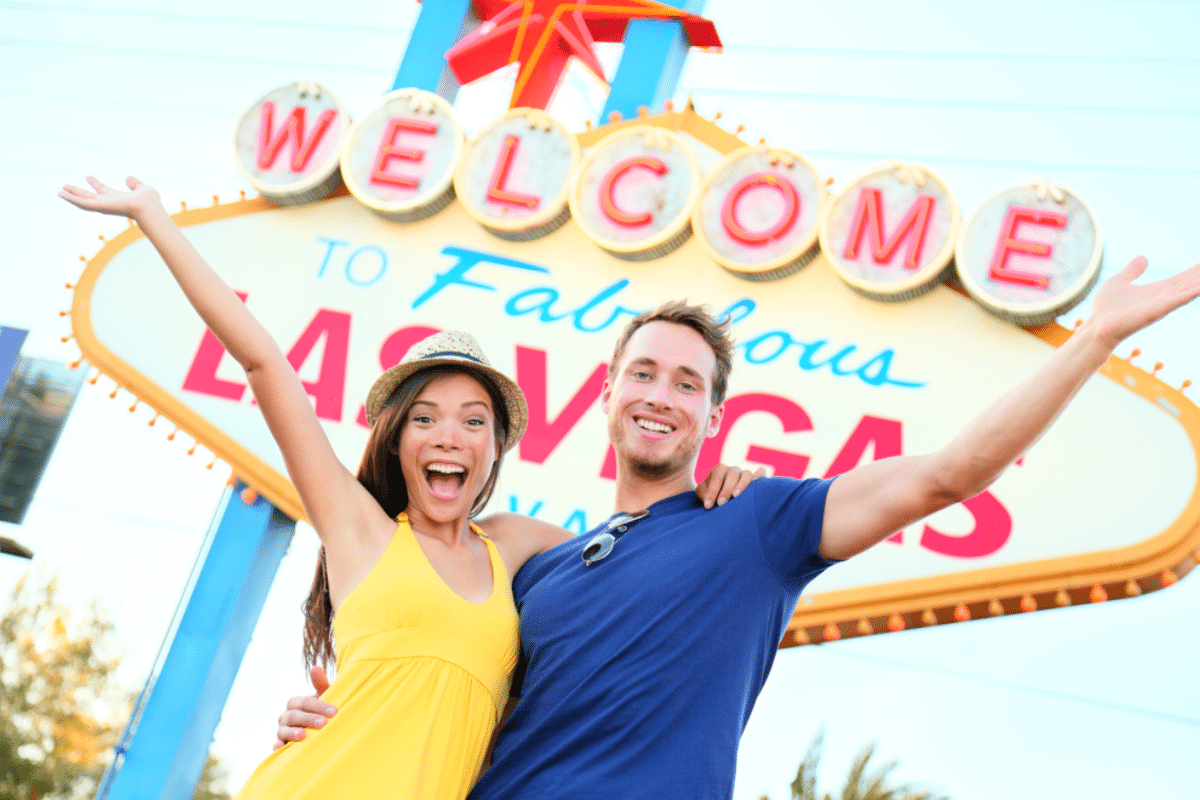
(1098,701)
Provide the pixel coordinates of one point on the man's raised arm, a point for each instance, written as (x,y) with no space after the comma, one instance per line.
(873,501)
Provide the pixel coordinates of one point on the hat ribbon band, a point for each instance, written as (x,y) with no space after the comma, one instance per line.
(452,354)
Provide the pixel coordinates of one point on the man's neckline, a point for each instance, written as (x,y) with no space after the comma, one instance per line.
(663,503)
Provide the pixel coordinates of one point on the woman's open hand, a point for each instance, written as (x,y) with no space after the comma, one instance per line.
(107,200)
(724,483)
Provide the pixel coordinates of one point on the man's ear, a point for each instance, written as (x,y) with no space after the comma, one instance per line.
(714,421)
(605,395)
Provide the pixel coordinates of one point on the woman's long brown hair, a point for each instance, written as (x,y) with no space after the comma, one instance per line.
(380,474)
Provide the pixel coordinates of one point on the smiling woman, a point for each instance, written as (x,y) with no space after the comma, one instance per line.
(439,425)
(425,626)
(441,420)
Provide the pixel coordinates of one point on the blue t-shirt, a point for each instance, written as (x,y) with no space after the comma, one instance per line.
(642,669)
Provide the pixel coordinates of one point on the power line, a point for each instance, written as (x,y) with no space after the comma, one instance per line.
(92,512)
(41,44)
(953,104)
(90,145)
(918,55)
(119,101)
(274,24)
(1007,164)
(1053,694)
(1132,170)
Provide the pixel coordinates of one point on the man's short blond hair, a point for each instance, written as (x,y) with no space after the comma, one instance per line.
(697,317)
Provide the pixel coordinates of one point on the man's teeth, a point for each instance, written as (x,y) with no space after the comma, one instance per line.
(447,469)
(656,427)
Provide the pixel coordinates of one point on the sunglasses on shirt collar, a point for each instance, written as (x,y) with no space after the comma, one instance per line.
(603,542)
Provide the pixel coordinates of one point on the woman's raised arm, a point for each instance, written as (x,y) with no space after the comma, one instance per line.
(337,505)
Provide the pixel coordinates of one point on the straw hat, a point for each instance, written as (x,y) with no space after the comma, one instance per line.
(454,348)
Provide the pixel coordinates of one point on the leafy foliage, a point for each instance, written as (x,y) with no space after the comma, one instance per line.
(211,780)
(61,707)
(862,782)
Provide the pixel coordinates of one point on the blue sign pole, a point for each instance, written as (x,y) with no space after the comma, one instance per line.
(164,748)
(655,51)
(11,340)
(440,25)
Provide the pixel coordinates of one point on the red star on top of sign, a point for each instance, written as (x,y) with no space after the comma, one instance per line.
(541,35)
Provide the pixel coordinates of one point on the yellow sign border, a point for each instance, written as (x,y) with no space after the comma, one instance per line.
(1147,566)
(1130,571)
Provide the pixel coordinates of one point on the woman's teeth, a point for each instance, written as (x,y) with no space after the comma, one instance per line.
(445,480)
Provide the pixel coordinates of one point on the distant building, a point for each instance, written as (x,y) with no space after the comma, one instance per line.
(34,408)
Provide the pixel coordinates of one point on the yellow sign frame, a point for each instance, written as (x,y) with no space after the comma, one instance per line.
(1149,565)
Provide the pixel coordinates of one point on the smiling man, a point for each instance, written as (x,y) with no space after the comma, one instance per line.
(643,661)
(648,640)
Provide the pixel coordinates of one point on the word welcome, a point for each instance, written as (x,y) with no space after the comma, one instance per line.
(638,193)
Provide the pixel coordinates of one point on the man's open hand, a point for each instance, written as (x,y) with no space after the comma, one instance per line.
(306,711)
(1120,309)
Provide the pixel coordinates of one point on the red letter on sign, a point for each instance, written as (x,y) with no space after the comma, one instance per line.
(330,384)
(998,271)
(202,374)
(791,206)
(388,150)
(496,190)
(883,434)
(993,525)
(609,205)
(544,434)
(393,349)
(792,417)
(869,214)
(398,344)
(292,130)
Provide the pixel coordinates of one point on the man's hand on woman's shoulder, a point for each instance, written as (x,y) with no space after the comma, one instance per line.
(304,712)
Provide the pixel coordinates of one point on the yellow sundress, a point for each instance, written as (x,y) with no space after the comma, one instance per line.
(422,678)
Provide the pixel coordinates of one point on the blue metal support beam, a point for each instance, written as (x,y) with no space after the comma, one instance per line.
(440,25)
(655,51)
(165,746)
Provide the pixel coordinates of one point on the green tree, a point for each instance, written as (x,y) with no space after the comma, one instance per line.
(214,777)
(862,783)
(61,707)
